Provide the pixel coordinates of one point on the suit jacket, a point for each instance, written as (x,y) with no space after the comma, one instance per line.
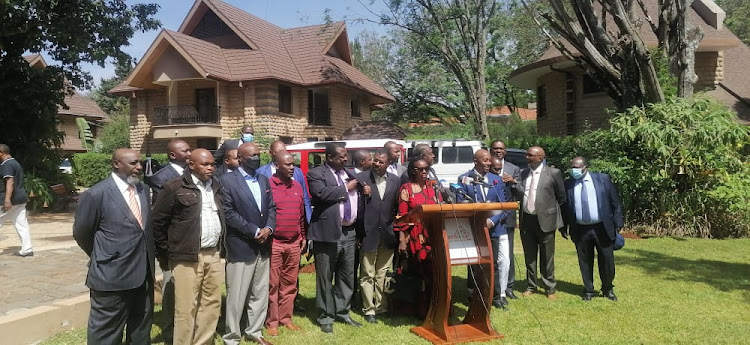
(226,146)
(515,172)
(608,205)
(157,181)
(244,216)
(325,223)
(497,192)
(299,176)
(379,213)
(550,196)
(121,252)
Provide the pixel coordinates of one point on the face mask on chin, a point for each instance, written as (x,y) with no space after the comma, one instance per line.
(576,173)
(247,137)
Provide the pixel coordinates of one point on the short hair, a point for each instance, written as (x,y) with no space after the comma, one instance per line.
(420,150)
(359,155)
(583,160)
(379,152)
(331,149)
(495,142)
(5,149)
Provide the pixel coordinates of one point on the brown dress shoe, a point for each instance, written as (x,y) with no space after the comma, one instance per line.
(292,327)
(552,297)
(527,293)
(272,331)
(262,341)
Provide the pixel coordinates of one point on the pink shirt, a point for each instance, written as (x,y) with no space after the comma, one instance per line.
(353,197)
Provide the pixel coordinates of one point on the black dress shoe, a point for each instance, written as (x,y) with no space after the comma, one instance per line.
(504,301)
(588,296)
(371,319)
(611,295)
(326,328)
(349,322)
(510,294)
(500,305)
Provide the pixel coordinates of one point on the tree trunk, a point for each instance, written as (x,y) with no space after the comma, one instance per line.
(684,42)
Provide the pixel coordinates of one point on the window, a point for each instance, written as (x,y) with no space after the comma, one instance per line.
(541,101)
(206,143)
(458,154)
(355,108)
(318,110)
(285,99)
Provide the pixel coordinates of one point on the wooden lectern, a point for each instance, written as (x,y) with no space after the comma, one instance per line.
(459,237)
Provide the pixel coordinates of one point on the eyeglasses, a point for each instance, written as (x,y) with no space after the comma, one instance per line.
(420,169)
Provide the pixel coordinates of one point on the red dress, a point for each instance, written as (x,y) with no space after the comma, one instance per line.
(407,201)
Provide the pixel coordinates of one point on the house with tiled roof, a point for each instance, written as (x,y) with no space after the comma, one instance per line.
(225,67)
(78,107)
(503,113)
(569,102)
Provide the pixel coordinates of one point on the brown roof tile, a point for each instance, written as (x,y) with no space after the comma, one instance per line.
(81,106)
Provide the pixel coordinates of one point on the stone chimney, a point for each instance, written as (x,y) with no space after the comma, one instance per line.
(710,12)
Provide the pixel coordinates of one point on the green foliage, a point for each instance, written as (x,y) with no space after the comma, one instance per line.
(90,168)
(673,164)
(40,194)
(513,130)
(667,80)
(116,133)
(457,131)
(738,17)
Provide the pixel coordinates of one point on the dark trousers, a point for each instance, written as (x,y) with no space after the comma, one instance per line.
(335,261)
(512,271)
(471,277)
(589,238)
(537,242)
(112,310)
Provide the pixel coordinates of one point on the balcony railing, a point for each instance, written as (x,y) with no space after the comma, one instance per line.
(185,114)
(319,116)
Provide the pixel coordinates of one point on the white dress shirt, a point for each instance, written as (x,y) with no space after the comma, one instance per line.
(537,173)
(210,223)
(123,187)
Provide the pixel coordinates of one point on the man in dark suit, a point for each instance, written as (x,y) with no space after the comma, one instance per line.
(380,241)
(246,136)
(178,152)
(593,218)
(502,168)
(250,214)
(231,163)
(542,194)
(481,185)
(334,231)
(112,225)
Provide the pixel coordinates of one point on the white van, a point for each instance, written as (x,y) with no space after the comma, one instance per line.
(452,157)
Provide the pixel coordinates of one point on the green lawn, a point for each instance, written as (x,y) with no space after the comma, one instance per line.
(670,291)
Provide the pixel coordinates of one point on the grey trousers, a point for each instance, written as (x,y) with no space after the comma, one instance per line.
(335,261)
(247,287)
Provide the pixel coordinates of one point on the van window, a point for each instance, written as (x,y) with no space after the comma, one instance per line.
(457,154)
(315,158)
(410,152)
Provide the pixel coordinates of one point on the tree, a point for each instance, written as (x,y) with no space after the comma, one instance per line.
(456,32)
(116,132)
(738,17)
(619,59)
(73,32)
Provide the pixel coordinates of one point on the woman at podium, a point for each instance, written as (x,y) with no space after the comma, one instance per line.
(414,239)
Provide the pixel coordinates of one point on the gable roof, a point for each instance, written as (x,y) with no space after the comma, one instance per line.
(504,111)
(307,56)
(78,105)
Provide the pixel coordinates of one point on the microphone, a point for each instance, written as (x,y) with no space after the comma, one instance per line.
(449,195)
(456,188)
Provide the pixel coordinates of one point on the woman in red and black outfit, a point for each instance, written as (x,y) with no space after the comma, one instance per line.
(414,238)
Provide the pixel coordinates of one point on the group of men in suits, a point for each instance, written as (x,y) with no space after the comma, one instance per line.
(261,219)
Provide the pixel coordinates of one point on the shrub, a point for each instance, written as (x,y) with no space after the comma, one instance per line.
(90,168)
(39,191)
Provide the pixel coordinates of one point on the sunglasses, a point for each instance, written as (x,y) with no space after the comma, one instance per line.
(420,169)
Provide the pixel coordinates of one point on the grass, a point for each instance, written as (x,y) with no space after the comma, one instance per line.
(685,291)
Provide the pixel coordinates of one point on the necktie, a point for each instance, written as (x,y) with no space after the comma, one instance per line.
(347,203)
(133,204)
(532,194)
(585,213)
(478,190)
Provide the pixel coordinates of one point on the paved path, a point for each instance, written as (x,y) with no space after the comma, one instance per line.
(57,270)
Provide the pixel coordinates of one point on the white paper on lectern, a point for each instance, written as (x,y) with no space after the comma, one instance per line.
(461,245)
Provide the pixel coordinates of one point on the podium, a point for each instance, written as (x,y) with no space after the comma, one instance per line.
(459,237)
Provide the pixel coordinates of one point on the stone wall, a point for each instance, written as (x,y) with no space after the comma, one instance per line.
(709,66)
(553,122)
(252,103)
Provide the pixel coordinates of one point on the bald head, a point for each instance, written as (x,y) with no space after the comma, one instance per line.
(534,156)
(249,156)
(201,164)
(230,159)
(496,165)
(482,161)
(126,164)
(276,146)
(394,151)
(178,151)
(284,165)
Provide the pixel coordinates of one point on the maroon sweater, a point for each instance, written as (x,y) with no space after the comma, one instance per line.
(290,210)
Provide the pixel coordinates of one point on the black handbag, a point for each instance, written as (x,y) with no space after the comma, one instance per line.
(400,284)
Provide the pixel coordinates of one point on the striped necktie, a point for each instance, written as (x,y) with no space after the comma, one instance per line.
(133,204)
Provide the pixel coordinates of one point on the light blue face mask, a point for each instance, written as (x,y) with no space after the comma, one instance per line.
(576,173)
(247,137)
